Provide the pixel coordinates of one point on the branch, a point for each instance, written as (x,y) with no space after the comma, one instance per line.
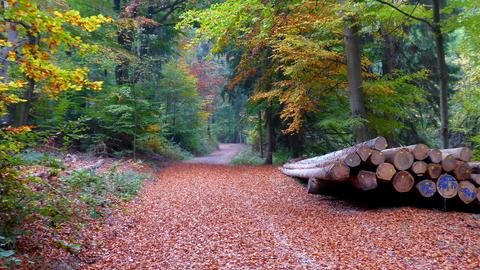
(406,14)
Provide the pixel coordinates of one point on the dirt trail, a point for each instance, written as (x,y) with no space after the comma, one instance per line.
(223,155)
(197,216)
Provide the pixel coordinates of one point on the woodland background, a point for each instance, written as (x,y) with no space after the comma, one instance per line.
(170,79)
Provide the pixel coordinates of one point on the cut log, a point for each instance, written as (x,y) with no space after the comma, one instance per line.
(314,185)
(364,180)
(448,162)
(434,170)
(364,152)
(434,156)
(426,188)
(351,160)
(462,153)
(419,168)
(462,171)
(419,151)
(475,166)
(403,181)
(401,158)
(376,158)
(385,171)
(475,178)
(334,172)
(447,186)
(467,192)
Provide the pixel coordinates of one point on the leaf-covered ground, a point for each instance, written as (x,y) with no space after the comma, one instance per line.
(223,217)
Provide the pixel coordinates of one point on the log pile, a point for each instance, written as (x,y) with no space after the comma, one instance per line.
(450,173)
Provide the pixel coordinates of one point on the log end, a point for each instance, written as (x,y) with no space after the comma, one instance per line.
(466,154)
(364,152)
(426,188)
(447,186)
(420,151)
(365,180)
(352,160)
(449,163)
(419,167)
(313,186)
(435,155)
(380,143)
(434,170)
(467,192)
(385,171)
(462,170)
(339,171)
(403,181)
(403,159)
(376,158)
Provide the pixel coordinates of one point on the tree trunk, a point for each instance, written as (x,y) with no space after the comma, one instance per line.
(23,108)
(354,73)
(270,135)
(442,73)
(116,5)
(12,36)
(461,153)
(388,61)
(260,135)
(419,151)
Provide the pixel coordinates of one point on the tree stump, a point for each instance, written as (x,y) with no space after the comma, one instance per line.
(403,181)
(467,192)
(426,188)
(447,186)
(385,171)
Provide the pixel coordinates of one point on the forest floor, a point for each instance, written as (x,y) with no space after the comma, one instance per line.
(206,216)
(223,155)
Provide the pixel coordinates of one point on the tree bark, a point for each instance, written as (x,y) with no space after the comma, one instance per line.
(23,108)
(388,61)
(260,135)
(355,84)
(461,153)
(334,172)
(442,73)
(12,36)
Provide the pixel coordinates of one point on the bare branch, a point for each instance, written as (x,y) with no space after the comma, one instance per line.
(406,14)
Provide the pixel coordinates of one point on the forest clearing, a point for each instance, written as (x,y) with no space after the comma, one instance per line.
(228,134)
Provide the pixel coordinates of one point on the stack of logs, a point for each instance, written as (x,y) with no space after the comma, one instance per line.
(448,172)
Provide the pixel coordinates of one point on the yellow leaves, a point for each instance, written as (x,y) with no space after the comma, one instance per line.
(4,43)
(11,56)
(152,128)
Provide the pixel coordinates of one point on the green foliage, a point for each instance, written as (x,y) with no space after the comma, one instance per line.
(247,157)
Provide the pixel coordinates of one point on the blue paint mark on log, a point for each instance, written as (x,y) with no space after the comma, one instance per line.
(447,186)
(427,188)
(468,193)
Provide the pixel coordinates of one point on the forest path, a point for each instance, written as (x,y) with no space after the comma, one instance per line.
(200,216)
(225,154)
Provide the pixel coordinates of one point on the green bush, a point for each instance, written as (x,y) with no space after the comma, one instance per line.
(247,157)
